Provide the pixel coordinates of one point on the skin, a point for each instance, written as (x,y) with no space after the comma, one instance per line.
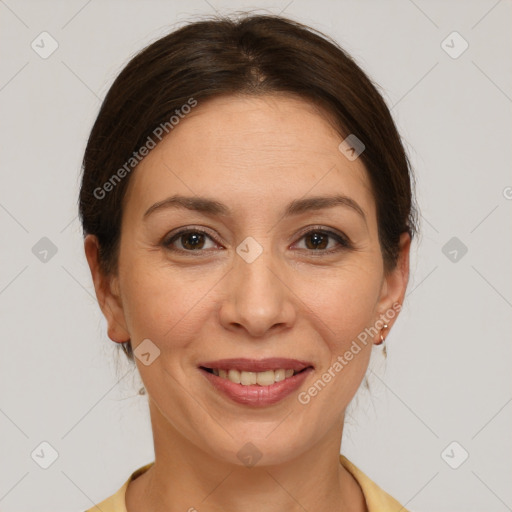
(254,154)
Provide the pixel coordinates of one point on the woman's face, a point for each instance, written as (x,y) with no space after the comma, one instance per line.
(259,273)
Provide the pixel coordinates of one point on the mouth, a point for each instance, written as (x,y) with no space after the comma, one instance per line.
(265,378)
(256,382)
(262,372)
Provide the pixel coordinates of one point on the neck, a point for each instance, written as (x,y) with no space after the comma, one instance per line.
(186,478)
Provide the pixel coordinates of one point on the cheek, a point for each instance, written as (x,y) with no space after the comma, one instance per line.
(164,304)
(344,298)
(341,305)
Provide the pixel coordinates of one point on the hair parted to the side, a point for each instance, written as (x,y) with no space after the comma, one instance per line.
(248,54)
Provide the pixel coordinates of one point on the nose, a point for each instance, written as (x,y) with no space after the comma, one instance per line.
(258,299)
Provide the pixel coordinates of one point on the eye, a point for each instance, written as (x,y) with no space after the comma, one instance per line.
(322,240)
(315,240)
(188,240)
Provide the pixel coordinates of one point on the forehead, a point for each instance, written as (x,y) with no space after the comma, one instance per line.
(262,148)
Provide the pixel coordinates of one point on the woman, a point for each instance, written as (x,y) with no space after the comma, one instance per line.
(247,210)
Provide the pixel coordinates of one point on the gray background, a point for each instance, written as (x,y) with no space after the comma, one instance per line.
(447,377)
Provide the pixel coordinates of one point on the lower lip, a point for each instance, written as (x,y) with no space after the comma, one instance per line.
(256,395)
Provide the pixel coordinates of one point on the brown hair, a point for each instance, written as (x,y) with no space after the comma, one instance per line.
(255,54)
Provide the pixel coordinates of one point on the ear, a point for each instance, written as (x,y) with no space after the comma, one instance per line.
(393,288)
(107,293)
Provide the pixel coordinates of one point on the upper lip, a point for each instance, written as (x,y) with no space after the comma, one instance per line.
(257,365)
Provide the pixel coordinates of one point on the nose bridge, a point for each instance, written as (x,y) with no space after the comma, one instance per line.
(255,280)
(258,299)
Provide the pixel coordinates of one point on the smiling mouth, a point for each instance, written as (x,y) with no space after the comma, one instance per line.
(245,378)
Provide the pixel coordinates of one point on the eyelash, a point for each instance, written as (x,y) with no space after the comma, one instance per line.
(341,239)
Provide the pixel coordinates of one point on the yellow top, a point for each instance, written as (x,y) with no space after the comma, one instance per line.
(377,500)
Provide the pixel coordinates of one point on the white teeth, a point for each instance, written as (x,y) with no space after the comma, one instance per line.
(234,376)
(280,375)
(247,378)
(265,378)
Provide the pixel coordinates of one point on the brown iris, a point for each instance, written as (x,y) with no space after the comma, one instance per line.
(320,240)
(192,240)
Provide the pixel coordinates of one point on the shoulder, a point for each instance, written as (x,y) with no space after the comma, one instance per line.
(377,500)
(116,502)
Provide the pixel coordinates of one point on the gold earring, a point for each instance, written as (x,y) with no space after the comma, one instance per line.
(382,337)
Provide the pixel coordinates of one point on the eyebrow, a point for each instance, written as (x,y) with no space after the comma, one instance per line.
(295,207)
